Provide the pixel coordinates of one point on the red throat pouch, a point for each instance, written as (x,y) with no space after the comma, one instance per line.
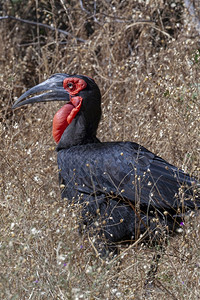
(64,117)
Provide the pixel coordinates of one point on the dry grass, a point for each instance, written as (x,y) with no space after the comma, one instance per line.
(145,56)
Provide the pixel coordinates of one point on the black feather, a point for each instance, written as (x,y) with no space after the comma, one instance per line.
(129,186)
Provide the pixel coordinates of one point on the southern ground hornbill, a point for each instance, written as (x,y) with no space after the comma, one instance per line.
(123,189)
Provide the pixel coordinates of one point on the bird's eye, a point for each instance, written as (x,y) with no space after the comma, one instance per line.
(70,85)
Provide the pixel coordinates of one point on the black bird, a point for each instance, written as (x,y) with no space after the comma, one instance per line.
(123,189)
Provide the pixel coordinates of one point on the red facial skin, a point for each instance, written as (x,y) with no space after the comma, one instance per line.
(67,113)
(74,85)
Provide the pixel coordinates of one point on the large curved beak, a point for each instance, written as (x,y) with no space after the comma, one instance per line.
(53,88)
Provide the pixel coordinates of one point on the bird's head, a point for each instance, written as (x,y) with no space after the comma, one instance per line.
(81,94)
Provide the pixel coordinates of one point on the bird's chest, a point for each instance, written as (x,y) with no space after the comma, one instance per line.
(75,176)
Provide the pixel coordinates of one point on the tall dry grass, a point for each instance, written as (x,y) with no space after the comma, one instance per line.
(145,56)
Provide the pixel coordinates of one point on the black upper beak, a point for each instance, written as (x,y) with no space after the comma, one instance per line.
(53,88)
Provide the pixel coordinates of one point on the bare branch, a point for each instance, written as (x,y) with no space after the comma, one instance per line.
(43,25)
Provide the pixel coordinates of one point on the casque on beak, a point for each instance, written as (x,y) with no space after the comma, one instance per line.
(52,88)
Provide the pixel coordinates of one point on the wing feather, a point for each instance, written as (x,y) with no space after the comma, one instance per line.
(126,170)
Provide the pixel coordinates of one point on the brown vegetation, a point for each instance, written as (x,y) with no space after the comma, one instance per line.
(145,57)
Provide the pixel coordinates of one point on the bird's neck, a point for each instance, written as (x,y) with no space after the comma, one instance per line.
(77,133)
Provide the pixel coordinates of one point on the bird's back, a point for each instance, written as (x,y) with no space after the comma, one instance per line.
(127,170)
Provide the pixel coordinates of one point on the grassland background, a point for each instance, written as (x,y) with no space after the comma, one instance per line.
(145,57)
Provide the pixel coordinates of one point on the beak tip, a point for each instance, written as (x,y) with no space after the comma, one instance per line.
(15,105)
